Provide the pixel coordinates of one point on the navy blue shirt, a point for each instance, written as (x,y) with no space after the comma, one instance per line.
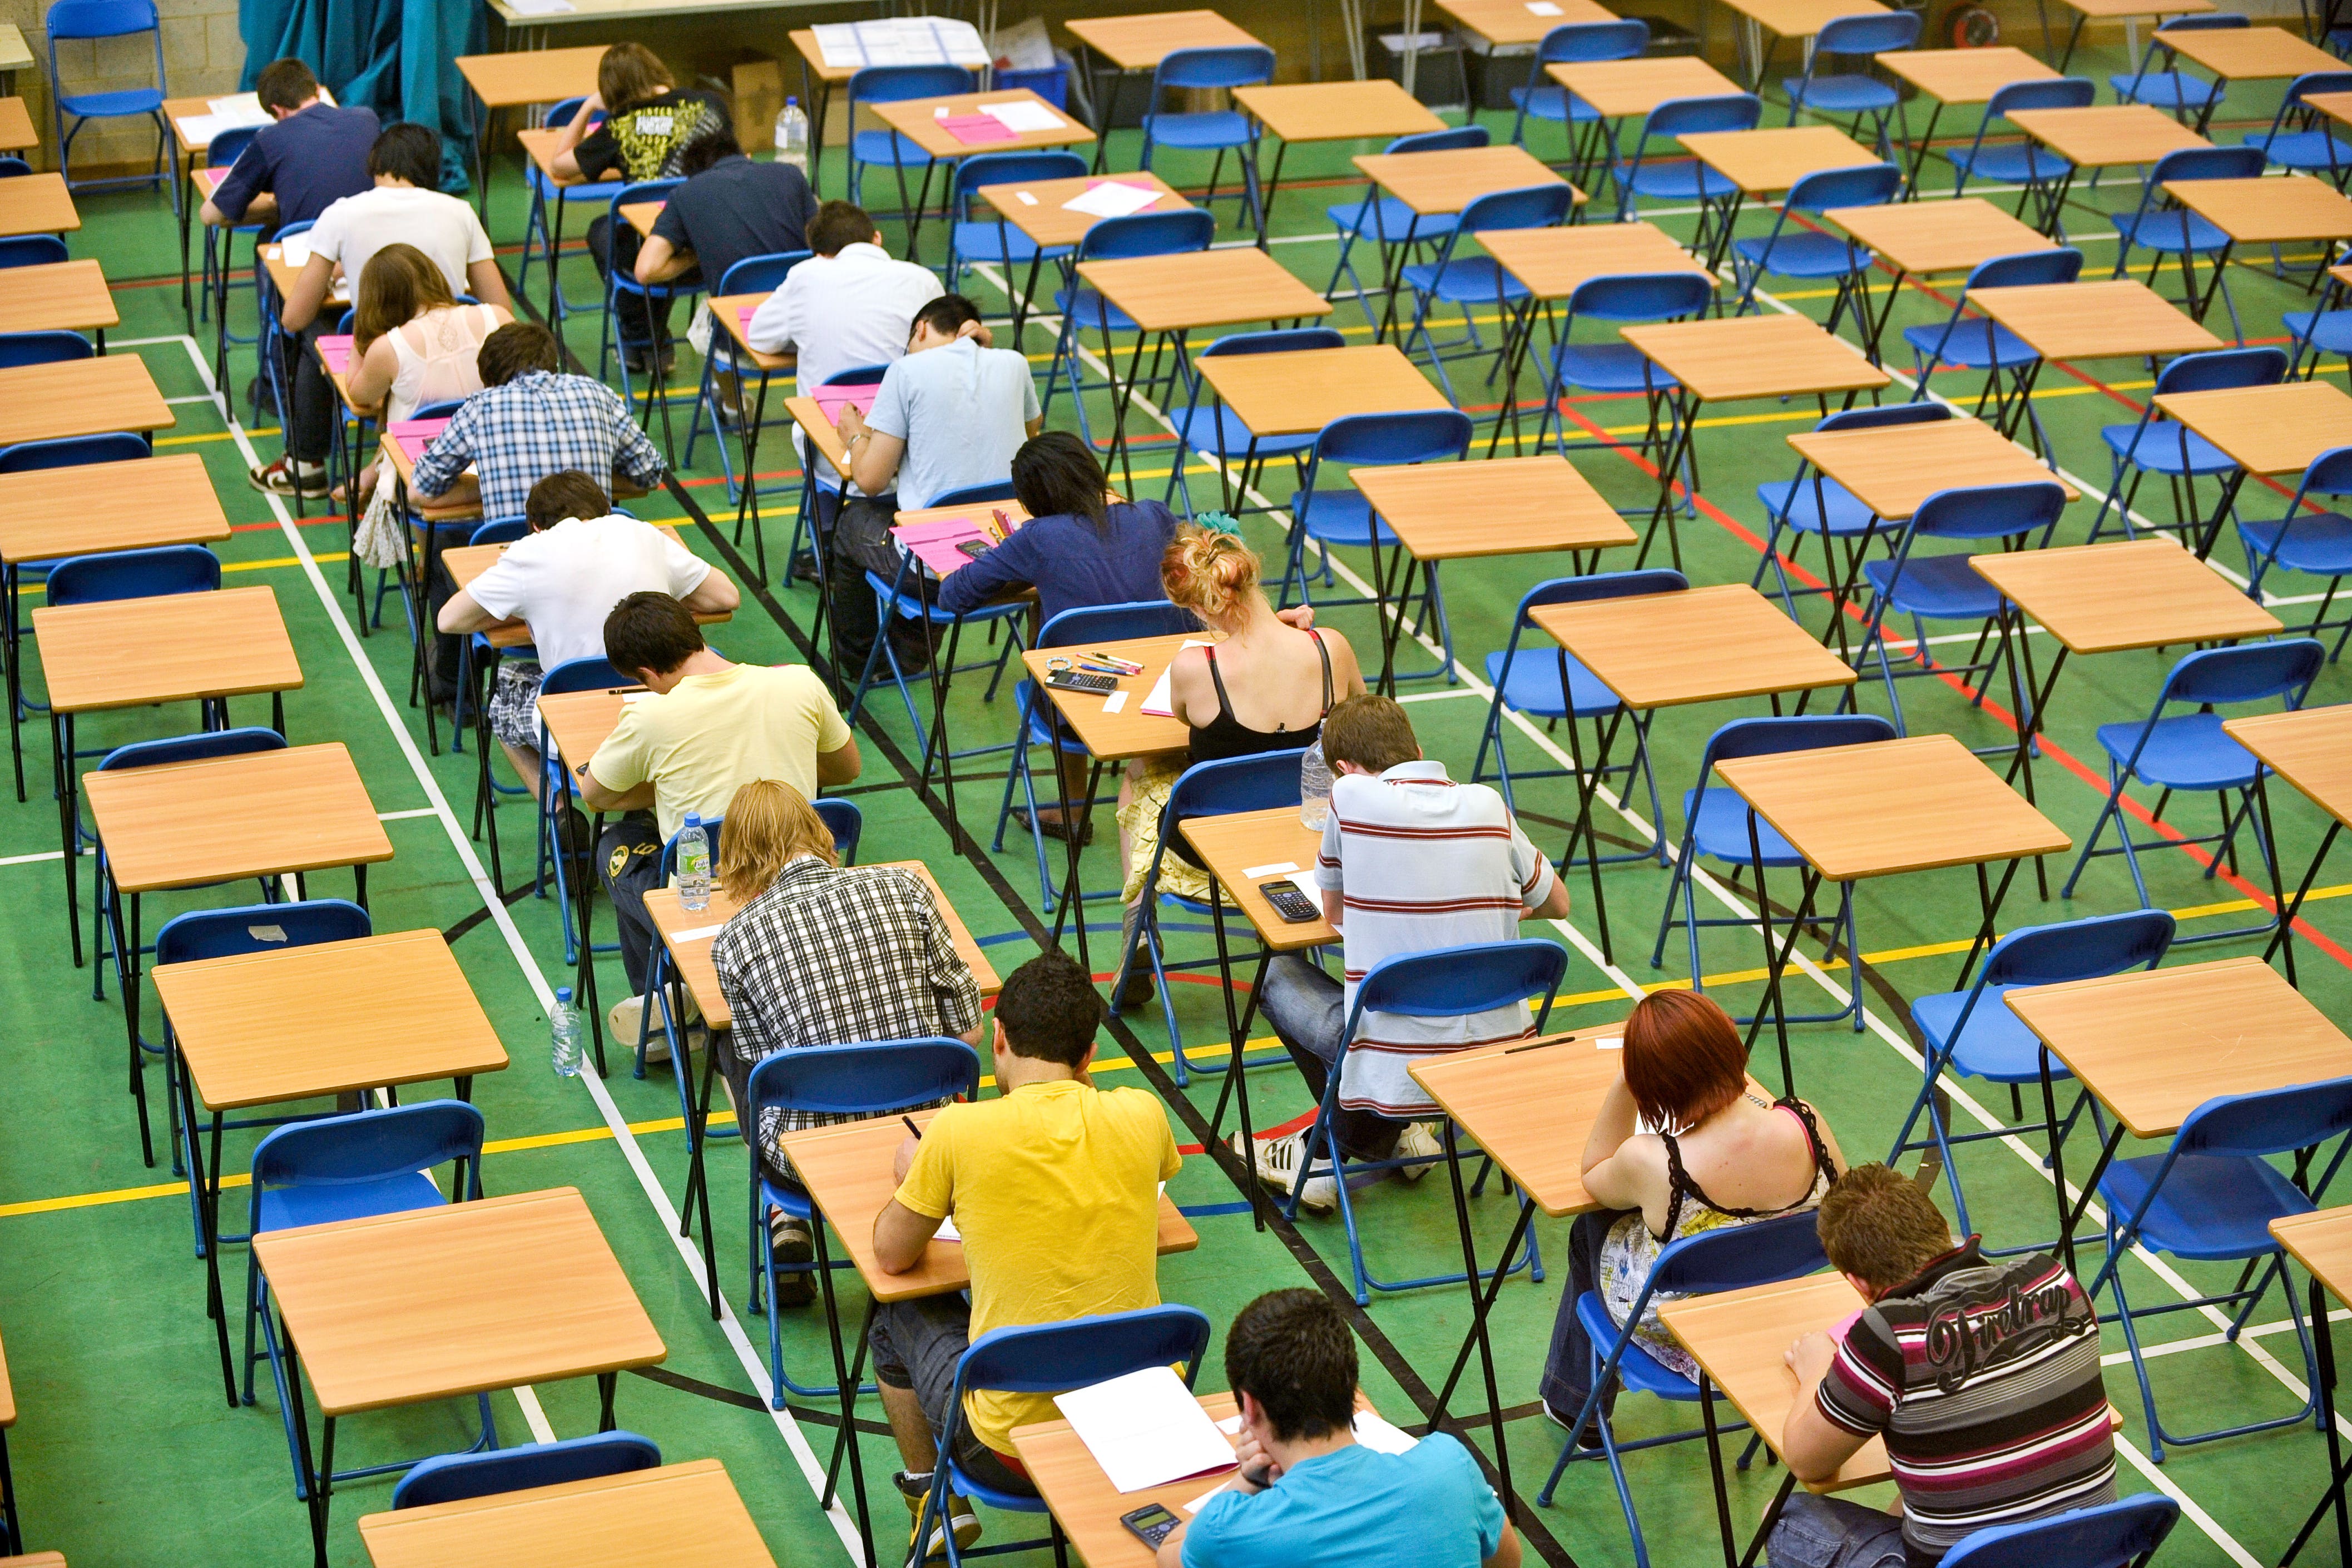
(734,209)
(1070,565)
(308,161)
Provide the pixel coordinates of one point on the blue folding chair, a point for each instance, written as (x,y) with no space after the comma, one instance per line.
(19,350)
(821,487)
(1220,131)
(2023,162)
(153,574)
(1966,342)
(91,20)
(2327,330)
(590,675)
(1081,305)
(2123,1533)
(1552,683)
(752,274)
(1388,223)
(1336,517)
(616,343)
(2189,752)
(545,234)
(1809,256)
(1716,823)
(1444,982)
(217,274)
(1467,281)
(2314,149)
(354,1166)
(1673,176)
(478,664)
(657,974)
(2172,88)
(991,241)
(896,84)
(2160,224)
(1573,43)
(274,378)
(2320,543)
(459,1478)
(844,822)
(1217,432)
(2210,1196)
(1946,588)
(32,250)
(1970,1033)
(1051,1358)
(1616,368)
(844,1082)
(1868,34)
(1815,503)
(1088,626)
(1766,1252)
(2154,445)
(12,167)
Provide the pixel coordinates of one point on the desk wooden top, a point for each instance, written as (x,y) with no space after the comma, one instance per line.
(2336,106)
(2155,1044)
(823,434)
(1731,356)
(2267,212)
(1776,159)
(1703,644)
(260,814)
(404,468)
(282,277)
(578,722)
(1089,1511)
(1621,88)
(1338,110)
(2311,749)
(404,1015)
(1139,43)
(13,55)
(1435,183)
(1739,1337)
(1966,76)
(689,933)
(532,76)
(640,216)
(541,145)
(846,1169)
(1048,222)
(678,1516)
(17,131)
(1531,1105)
(2322,1243)
(2101,136)
(462,1299)
(1300,394)
(812,57)
(1128,732)
(1939,236)
(2250,54)
(8,1394)
(2133,593)
(128,652)
(71,296)
(1799,18)
(728,310)
(82,397)
(52,512)
(1891,470)
(1228,847)
(1203,288)
(2109,318)
(1507,22)
(1505,506)
(1892,806)
(918,118)
(38,1560)
(1553,263)
(36,204)
(2267,430)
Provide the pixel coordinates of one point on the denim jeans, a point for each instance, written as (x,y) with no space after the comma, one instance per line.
(1567,1370)
(1304,1007)
(917,1345)
(1831,1533)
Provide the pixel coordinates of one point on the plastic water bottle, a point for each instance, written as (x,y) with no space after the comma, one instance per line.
(1314,787)
(693,865)
(563,1030)
(793,135)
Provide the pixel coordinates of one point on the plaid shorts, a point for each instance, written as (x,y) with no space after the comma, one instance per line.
(514,703)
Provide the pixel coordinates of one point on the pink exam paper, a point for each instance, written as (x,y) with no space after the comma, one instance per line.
(934,543)
(977,129)
(743,318)
(416,434)
(335,353)
(832,399)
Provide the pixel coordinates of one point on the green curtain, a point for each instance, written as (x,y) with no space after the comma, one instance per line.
(395,57)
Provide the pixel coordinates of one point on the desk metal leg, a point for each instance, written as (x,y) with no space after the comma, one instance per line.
(846,1385)
(697,1175)
(1771,1518)
(1588,785)
(2070,1215)
(2338,1473)
(1481,1303)
(12,1528)
(1776,963)
(608,1384)
(2283,938)
(1236,1071)
(936,744)
(1715,1468)
(62,786)
(577,878)
(1677,449)
(318,1478)
(203,1175)
(1074,834)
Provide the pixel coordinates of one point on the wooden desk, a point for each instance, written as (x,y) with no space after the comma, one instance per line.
(533,76)
(1736,357)
(1298,393)
(1082,1500)
(540,144)
(2105,136)
(1738,1338)
(395,457)
(16,132)
(105,507)
(2267,430)
(2336,106)
(1139,43)
(1203,288)
(79,397)
(1552,264)
(733,312)
(2111,319)
(2267,212)
(467,562)
(1505,23)
(228,642)
(440,1302)
(1530,1105)
(1955,77)
(1622,88)
(36,204)
(1922,237)
(1783,19)
(640,216)
(68,296)
(1228,846)
(1891,470)
(1337,110)
(1773,160)
(918,120)
(2311,749)
(2322,1243)
(1437,184)
(2250,54)
(1050,224)
(267,814)
(1508,506)
(680,1516)
(823,436)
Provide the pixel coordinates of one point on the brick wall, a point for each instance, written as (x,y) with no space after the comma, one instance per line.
(203,57)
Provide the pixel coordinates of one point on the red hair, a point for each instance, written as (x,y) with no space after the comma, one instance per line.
(1683,1061)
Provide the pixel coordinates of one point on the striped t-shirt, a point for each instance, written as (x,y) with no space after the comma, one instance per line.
(1422,863)
(1983,1376)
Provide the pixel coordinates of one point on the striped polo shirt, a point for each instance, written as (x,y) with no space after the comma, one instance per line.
(1422,863)
(1983,1376)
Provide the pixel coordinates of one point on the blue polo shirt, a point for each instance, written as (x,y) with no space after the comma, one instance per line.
(1428,1507)
(307,161)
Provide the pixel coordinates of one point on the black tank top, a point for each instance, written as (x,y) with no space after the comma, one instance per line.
(1225,735)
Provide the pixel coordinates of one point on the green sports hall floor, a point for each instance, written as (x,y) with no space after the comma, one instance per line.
(125,1453)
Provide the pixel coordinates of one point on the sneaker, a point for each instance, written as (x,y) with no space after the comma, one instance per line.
(1277,1163)
(788,1242)
(1418,1141)
(624,1019)
(288,477)
(913,1487)
(1587,1438)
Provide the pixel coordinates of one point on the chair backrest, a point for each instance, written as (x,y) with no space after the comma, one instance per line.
(1885,415)
(259,928)
(1988,511)
(1054,1358)
(1528,207)
(1229,784)
(859,376)
(1642,296)
(1240,65)
(1452,139)
(872,1077)
(2252,672)
(975,495)
(589,674)
(2330,474)
(1014,169)
(1869,185)
(101,18)
(1868,33)
(1283,340)
(72,452)
(844,820)
(1573,41)
(369,1146)
(1719,111)
(637,190)
(457,1478)
(2204,21)
(229,146)
(2311,82)
(561,114)
(2269,1122)
(1415,435)
(446,409)
(1148,234)
(499,531)
(2111,1535)
(2060,92)
(1796,732)
(2218,370)
(895,84)
(13,167)
(201,747)
(19,349)
(1450,982)
(2064,264)
(1098,623)
(2206,164)
(711,827)
(134,574)
(1600,585)
(32,250)
(759,274)
(1734,1257)
(2087,949)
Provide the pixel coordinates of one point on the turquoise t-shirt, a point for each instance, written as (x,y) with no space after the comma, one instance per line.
(1426,1507)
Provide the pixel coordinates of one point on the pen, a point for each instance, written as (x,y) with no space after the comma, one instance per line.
(1128,666)
(911,1127)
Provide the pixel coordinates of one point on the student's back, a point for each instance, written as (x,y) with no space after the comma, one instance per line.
(309,161)
(736,208)
(962,410)
(1428,1507)
(848,305)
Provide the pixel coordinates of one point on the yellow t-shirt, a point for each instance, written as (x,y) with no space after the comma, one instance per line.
(1055,1189)
(711,735)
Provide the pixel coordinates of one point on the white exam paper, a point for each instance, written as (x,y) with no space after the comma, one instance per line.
(1115,703)
(1145,1429)
(295,253)
(1371,1431)
(700,932)
(200,129)
(1159,705)
(1273,868)
(1111,199)
(1542,9)
(540,7)
(1022,114)
(901,41)
(239,109)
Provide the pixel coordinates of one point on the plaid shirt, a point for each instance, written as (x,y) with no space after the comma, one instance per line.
(534,426)
(829,956)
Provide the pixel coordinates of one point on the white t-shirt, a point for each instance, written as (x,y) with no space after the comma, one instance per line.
(354,228)
(839,312)
(565,580)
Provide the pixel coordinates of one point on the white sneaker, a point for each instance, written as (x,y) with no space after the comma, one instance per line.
(1418,1141)
(1277,1163)
(627,1016)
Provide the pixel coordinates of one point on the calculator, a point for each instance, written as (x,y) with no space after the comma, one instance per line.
(1150,1525)
(972,549)
(1080,681)
(1294,906)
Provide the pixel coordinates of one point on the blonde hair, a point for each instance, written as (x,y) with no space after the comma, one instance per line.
(1211,573)
(767,824)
